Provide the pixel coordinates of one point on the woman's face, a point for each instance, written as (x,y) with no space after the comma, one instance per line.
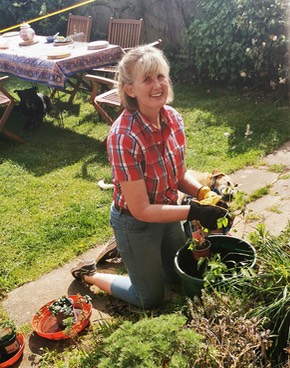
(151,91)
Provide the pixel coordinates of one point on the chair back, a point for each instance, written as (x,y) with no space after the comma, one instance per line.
(79,24)
(125,32)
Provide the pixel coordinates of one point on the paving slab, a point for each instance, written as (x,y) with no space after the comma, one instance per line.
(251,179)
(280,156)
(272,209)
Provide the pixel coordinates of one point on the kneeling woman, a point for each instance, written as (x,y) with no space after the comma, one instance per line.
(146,149)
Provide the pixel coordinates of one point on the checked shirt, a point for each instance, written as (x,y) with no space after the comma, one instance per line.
(137,150)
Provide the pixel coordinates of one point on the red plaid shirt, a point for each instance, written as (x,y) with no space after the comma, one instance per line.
(137,150)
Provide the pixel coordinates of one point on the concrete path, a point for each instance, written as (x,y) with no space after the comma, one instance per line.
(273,210)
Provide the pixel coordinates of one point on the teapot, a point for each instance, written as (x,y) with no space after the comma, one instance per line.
(26,32)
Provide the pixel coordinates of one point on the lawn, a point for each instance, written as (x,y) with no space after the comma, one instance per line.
(51,206)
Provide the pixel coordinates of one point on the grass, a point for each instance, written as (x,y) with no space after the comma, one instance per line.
(51,206)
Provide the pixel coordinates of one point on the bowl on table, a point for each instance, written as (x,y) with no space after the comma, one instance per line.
(50,39)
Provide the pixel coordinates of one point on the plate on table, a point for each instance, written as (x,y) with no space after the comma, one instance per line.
(28,43)
(58,54)
(96,45)
(45,324)
(10,34)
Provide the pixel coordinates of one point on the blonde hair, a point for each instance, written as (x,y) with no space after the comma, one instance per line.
(143,60)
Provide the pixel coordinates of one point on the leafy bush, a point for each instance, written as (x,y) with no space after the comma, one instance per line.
(156,342)
(240,40)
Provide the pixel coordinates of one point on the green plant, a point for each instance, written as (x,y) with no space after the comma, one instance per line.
(199,233)
(240,41)
(215,269)
(153,342)
(62,305)
(64,308)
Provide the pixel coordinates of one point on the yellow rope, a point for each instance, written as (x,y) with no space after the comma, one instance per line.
(48,15)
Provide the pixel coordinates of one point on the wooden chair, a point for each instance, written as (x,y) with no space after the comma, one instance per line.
(7,102)
(79,24)
(125,33)
(76,24)
(110,97)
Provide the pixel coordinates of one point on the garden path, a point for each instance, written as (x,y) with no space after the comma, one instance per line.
(272,209)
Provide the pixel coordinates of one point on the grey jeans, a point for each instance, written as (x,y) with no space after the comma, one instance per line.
(148,251)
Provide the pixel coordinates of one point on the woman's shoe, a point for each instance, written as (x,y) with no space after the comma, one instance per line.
(110,251)
(84,268)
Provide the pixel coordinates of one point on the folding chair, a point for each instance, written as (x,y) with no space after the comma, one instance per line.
(7,102)
(109,98)
(79,24)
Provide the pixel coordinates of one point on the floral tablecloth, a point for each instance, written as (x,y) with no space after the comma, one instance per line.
(32,63)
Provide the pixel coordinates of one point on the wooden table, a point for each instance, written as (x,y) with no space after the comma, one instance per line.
(33,62)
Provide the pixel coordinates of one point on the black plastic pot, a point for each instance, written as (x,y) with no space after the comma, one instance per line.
(232,250)
(9,348)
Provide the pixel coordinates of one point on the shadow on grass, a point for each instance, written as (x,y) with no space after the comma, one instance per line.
(48,147)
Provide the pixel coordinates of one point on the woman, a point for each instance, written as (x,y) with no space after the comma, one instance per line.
(146,147)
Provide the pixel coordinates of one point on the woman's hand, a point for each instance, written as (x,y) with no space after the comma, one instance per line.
(207,215)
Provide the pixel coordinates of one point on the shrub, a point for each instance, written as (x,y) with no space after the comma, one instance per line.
(240,40)
(156,342)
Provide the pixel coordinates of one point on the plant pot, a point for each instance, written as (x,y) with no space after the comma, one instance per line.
(231,250)
(9,348)
(202,251)
(61,317)
(11,361)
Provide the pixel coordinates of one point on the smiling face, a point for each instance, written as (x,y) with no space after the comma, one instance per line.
(150,91)
(143,80)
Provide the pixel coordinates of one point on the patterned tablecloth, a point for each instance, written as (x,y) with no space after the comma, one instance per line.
(31,62)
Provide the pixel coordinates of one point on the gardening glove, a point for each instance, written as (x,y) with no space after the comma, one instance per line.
(207,215)
(208,196)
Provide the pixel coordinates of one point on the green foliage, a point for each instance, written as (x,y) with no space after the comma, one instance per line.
(214,270)
(268,288)
(62,305)
(18,11)
(152,343)
(238,41)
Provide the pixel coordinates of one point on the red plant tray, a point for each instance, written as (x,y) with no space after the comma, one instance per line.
(11,361)
(45,324)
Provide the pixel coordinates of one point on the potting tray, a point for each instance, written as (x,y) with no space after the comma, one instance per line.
(44,323)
